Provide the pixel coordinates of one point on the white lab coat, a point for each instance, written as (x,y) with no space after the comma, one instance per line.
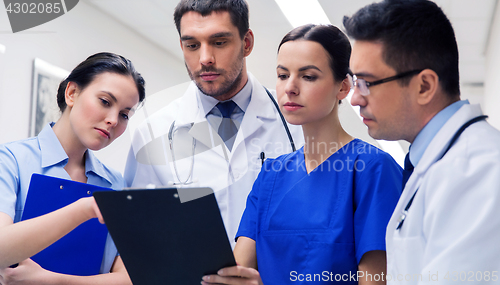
(230,173)
(452,230)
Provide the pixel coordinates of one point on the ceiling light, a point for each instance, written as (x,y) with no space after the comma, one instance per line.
(300,12)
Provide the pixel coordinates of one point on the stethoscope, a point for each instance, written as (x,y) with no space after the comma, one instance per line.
(404,213)
(171,144)
(189,179)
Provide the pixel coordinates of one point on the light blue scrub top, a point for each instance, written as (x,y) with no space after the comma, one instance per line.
(320,224)
(45,155)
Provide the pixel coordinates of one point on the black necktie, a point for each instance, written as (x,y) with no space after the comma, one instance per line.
(227,129)
(407,171)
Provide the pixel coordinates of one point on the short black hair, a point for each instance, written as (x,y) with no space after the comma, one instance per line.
(415,34)
(96,64)
(333,40)
(237,9)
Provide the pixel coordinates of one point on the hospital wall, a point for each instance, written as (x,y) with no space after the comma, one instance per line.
(64,42)
(491,100)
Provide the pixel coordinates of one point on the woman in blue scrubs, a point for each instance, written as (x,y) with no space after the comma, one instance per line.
(318,214)
(96,101)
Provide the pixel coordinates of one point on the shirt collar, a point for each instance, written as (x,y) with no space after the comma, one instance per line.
(426,135)
(92,164)
(53,153)
(51,149)
(242,98)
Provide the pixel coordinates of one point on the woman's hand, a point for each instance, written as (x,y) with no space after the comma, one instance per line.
(233,276)
(91,208)
(21,240)
(27,272)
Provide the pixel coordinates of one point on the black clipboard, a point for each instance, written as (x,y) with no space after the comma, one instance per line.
(167,236)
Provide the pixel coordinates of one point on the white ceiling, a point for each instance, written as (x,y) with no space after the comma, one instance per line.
(153,19)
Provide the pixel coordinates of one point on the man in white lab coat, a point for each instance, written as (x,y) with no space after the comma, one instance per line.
(184,144)
(446,226)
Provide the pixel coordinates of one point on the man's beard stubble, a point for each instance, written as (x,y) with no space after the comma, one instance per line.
(230,83)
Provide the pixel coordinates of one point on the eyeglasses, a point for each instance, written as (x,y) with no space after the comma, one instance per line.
(363,85)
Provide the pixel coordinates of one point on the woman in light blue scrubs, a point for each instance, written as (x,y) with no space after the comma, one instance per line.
(96,101)
(318,214)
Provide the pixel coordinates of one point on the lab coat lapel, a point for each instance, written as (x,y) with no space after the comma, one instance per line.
(258,111)
(193,115)
(191,112)
(436,149)
(395,239)
(440,142)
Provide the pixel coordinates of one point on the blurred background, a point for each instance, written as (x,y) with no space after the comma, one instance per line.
(144,32)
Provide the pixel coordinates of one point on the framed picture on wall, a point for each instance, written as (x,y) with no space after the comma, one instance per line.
(46,79)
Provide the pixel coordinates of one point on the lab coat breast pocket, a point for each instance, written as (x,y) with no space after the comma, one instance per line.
(409,255)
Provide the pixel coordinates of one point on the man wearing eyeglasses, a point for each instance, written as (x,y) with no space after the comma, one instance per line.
(406,82)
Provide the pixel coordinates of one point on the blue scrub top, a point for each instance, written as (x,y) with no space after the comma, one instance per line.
(320,224)
(45,155)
